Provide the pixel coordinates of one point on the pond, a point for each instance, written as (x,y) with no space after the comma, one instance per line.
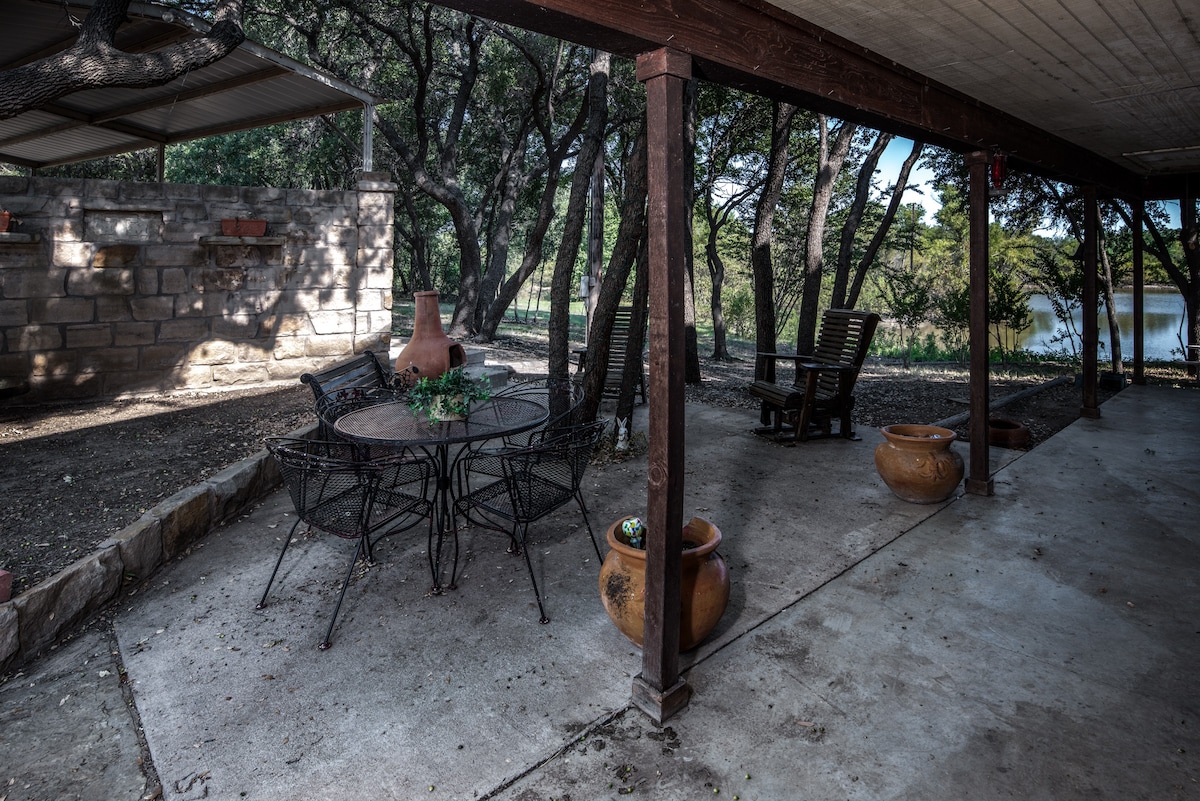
(1163,321)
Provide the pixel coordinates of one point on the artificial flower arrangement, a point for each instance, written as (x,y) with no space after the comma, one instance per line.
(449,396)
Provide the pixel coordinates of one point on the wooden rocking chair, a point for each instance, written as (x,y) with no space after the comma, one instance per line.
(824,381)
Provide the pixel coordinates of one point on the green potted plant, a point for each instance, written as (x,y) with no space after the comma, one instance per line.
(449,396)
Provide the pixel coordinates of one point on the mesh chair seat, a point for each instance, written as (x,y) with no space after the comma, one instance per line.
(534,482)
(334,490)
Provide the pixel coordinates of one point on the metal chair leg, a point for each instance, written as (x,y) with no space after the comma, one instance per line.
(263,601)
(358,548)
(536,593)
(588,523)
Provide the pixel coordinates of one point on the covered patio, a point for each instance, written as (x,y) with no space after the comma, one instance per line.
(1038,644)
(1078,91)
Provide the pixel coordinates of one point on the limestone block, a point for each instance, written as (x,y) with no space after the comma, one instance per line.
(183,192)
(62,310)
(10,641)
(89,336)
(113,308)
(77,386)
(377,277)
(240,374)
(108,360)
(13,312)
(174,281)
(252,352)
(63,600)
(72,254)
(302,197)
(375,236)
(284,325)
(123,226)
(373,301)
(147,281)
(379,341)
(324,299)
(214,352)
(340,236)
(265,277)
(114,383)
(117,256)
(187,254)
(235,326)
(332,322)
(192,304)
(191,212)
(14,185)
(258,195)
(157,307)
(126,334)
(188,329)
(140,546)
(330,345)
(15,364)
(57,363)
(163,357)
(185,517)
(220,194)
(288,348)
(237,486)
(33,337)
(41,282)
(237,257)
(102,281)
(373,322)
(139,191)
(316,259)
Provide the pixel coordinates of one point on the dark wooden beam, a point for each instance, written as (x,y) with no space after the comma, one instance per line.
(755,46)
(979,480)
(658,690)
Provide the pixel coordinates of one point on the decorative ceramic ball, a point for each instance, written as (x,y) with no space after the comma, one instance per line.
(634,530)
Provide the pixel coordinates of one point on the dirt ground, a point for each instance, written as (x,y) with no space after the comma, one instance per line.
(73,475)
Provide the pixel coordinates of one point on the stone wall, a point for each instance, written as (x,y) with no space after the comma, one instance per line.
(110,288)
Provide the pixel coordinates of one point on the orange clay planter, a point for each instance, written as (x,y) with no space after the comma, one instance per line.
(918,464)
(704,590)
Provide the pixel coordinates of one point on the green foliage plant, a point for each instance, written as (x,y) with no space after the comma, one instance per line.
(448,395)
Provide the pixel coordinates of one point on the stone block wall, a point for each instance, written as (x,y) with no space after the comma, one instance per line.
(110,288)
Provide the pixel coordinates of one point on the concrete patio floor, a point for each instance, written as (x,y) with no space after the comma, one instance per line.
(1038,644)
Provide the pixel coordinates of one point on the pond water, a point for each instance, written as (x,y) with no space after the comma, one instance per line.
(1163,321)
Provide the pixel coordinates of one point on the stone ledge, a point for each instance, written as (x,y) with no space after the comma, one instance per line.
(38,617)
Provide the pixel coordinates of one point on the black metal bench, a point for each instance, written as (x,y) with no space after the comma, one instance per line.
(364,371)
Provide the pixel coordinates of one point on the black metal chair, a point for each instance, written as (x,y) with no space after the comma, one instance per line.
(534,481)
(334,405)
(562,399)
(334,490)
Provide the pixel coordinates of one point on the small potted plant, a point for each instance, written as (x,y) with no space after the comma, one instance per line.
(7,221)
(449,396)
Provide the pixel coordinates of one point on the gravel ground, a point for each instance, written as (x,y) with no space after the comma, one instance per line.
(76,474)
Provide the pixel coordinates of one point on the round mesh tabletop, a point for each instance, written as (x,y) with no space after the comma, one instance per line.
(395,422)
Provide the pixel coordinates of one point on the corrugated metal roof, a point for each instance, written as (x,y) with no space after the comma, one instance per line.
(252,87)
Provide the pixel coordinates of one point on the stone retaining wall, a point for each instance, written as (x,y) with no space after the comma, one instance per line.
(109,287)
(39,617)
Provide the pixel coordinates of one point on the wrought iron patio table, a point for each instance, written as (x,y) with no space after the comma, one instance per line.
(396,424)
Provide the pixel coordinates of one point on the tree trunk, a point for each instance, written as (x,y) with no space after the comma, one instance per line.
(829,164)
(691,346)
(631,239)
(637,334)
(716,271)
(862,193)
(885,225)
(561,284)
(764,218)
(1110,303)
(94,62)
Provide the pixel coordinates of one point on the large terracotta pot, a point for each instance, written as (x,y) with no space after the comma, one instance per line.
(917,462)
(704,590)
(430,352)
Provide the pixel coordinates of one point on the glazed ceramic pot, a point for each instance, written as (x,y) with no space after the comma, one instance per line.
(704,591)
(430,352)
(918,464)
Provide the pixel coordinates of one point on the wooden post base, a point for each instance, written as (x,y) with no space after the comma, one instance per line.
(660,706)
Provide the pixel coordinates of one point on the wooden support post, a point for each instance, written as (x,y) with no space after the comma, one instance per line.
(1091,326)
(658,690)
(1139,294)
(979,480)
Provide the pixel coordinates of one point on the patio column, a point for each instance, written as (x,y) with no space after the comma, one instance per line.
(1139,294)
(658,690)
(1091,328)
(979,481)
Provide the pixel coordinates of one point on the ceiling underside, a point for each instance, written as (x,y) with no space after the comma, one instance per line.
(250,88)
(1105,92)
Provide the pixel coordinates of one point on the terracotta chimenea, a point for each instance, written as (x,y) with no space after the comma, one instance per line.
(430,351)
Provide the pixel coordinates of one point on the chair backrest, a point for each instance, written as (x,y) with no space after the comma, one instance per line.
(364,371)
(549,472)
(844,339)
(618,351)
(338,403)
(561,397)
(329,489)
